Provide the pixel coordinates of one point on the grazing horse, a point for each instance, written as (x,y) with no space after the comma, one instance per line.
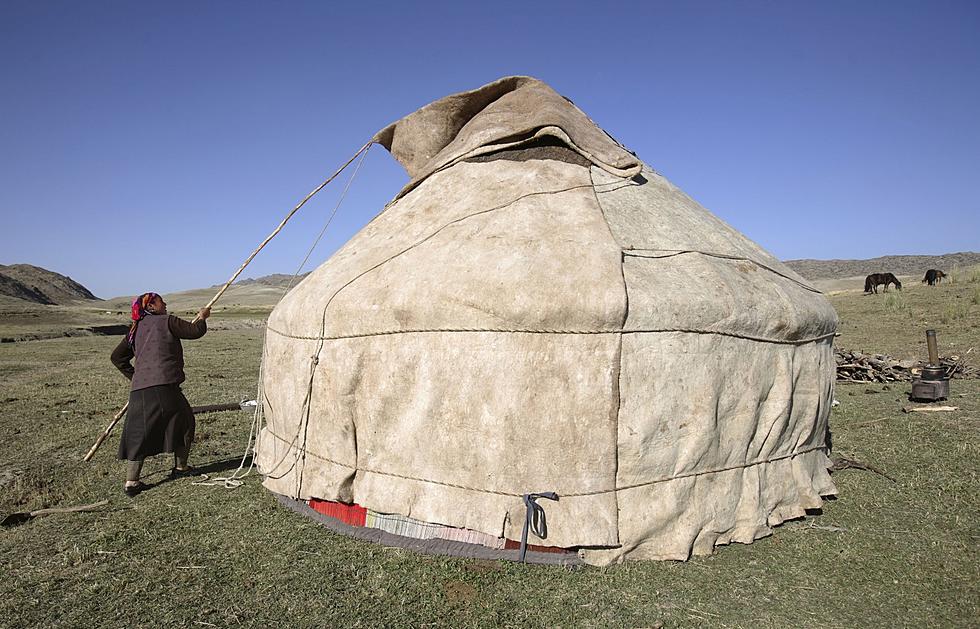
(873,281)
(933,277)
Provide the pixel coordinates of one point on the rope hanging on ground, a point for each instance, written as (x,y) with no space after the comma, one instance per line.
(234,480)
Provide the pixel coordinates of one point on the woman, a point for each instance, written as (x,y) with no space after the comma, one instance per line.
(159,418)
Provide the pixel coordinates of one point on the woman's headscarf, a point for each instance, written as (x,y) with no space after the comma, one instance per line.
(140,305)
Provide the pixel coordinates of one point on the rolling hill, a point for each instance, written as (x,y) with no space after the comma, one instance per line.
(20,283)
(40,286)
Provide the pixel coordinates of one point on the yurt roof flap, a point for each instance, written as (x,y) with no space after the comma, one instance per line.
(509,112)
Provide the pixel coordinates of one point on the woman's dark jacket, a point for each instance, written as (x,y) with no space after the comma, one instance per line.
(159,356)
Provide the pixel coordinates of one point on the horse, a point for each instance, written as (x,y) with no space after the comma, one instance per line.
(874,280)
(933,277)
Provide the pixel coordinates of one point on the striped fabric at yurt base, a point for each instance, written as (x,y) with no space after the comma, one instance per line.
(356,515)
(400,525)
(408,527)
(467,536)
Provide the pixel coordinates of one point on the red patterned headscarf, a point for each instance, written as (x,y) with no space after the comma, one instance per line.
(140,305)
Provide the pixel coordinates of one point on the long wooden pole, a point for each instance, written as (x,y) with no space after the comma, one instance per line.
(105,433)
(282,223)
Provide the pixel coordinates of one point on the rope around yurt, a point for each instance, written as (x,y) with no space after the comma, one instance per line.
(360,152)
(295,443)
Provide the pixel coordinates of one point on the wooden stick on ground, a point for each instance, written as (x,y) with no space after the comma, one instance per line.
(18,518)
(844,463)
(929,409)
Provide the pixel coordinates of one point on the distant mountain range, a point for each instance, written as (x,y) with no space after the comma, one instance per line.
(899,265)
(37,285)
(40,286)
(276,279)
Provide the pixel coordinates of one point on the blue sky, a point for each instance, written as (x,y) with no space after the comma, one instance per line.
(152,146)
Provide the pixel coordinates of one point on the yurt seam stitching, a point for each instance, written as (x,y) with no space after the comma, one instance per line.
(563,494)
(622,326)
(619,185)
(676,252)
(307,403)
(445,226)
(539,331)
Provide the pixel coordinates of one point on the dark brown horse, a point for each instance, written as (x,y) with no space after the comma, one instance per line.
(873,281)
(933,277)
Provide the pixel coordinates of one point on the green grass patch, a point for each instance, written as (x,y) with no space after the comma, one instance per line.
(883,554)
(970,274)
(895,322)
(898,304)
(955,311)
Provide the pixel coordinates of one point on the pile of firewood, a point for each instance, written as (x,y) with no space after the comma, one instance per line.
(857,367)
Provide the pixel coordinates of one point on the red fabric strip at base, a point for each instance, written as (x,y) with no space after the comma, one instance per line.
(515,545)
(353,515)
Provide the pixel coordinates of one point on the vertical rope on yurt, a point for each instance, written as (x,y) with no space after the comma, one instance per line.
(259,414)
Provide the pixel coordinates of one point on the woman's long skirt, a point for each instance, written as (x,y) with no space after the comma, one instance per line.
(159,419)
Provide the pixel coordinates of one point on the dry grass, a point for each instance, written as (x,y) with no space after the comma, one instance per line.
(894,322)
(882,555)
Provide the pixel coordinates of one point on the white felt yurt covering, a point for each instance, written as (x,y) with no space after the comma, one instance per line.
(538,311)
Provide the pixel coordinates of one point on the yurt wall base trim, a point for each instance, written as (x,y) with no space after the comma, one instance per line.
(431,546)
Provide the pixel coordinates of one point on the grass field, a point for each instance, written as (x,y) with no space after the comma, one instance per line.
(884,554)
(894,322)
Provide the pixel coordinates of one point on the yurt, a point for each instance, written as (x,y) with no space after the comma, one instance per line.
(538,311)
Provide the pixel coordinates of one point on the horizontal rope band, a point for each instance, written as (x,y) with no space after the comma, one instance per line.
(596,492)
(746,337)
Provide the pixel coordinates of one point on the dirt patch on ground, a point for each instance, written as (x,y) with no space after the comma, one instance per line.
(8,476)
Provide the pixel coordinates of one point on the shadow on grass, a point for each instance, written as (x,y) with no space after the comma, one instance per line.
(214,467)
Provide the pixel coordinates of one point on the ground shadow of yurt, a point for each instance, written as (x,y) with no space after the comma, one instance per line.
(539,311)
